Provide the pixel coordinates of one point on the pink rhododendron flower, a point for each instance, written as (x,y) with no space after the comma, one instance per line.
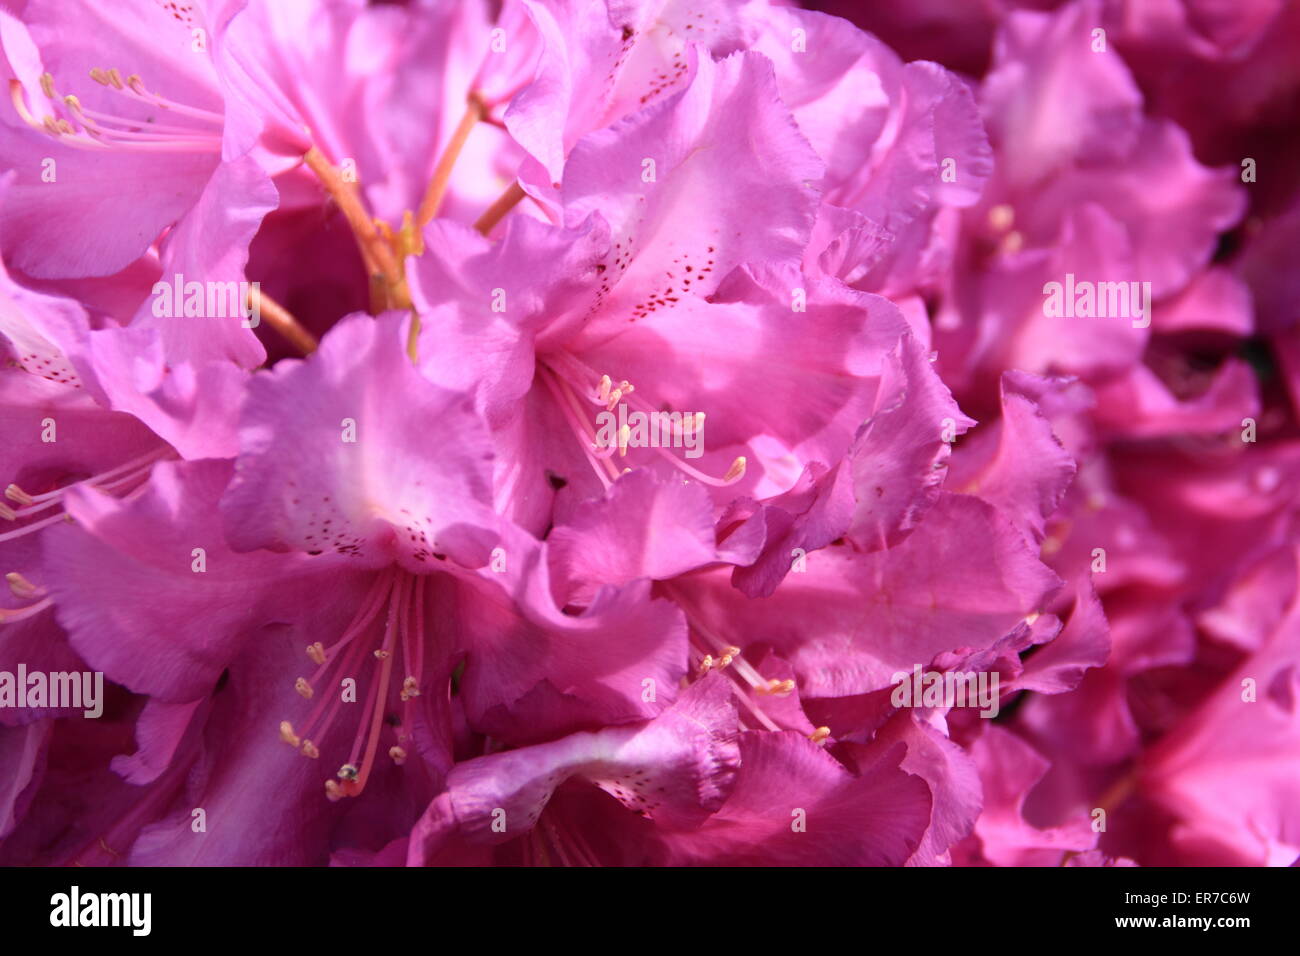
(649,433)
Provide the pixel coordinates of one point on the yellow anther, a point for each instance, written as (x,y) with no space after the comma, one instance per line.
(316,652)
(819,735)
(21,587)
(778,687)
(303,687)
(736,471)
(309,749)
(398,755)
(287,734)
(16,494)
(1002,217)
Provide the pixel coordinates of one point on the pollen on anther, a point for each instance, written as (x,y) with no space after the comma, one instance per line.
(21,587)
(303,687)
(309,749)
(16,494)
(316,652)
(398,755)
(819,735)
(287,734)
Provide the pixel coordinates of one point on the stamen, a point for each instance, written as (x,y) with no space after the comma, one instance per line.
(22,588)
(303,688)
(441,179)
(282,320)
(410,688)
(1002,217)
(14,615)
(14,493)
(604,392)
(497,211)
(30,528)
(375,705)
(371,606)
(404,595)
(819,735)
(583,429)
(376,252)
(106,131)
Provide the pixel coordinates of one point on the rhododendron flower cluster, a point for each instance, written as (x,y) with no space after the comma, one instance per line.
(649,432)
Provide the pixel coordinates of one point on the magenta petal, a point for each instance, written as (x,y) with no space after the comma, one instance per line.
(674,770)
(535,670)
(793,804)
(328,446)
(671,179)
(1018,464)
(137,624)
(644,527)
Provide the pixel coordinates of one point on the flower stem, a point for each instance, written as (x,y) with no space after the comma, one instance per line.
(374,249)
(282,320)
(441,179)
(497,211)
